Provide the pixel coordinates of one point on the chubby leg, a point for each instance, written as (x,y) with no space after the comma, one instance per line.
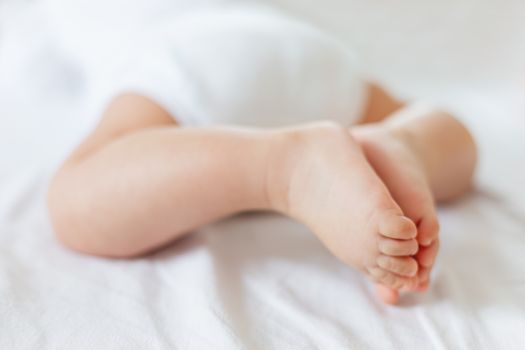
(139,182)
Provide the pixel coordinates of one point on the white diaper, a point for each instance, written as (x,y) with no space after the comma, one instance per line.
(246,66)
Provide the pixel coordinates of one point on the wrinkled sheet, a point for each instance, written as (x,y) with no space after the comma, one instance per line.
(263,281)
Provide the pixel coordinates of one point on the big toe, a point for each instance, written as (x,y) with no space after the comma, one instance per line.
(387,295)
(397,227)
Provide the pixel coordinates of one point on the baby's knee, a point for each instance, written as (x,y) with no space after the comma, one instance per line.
(61,212)
(74,221)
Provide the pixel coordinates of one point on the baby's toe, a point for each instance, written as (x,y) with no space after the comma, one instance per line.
(391,280)
(428,229)
(394,247)
(426,256)
(404,266)
(422,279)
(423,275)
(397,227)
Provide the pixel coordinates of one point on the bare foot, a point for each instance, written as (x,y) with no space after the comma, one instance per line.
(396,161)
(331,187)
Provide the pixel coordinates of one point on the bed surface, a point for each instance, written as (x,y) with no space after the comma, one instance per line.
(262,281)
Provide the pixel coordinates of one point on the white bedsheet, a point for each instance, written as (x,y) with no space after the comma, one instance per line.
(260,281)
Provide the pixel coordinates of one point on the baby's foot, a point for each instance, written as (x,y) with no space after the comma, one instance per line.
(330,186)
(394,159)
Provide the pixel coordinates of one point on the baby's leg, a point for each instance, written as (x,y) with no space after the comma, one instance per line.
(139,182)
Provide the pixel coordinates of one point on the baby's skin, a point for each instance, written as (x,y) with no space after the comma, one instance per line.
(367,192)
(330,186)
(398,165)
(389,229)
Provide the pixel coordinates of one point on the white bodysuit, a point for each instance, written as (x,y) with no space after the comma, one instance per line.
(228,63)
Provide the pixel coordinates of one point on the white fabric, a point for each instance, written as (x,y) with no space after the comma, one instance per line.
(230,64)
(245,65)
(264,282)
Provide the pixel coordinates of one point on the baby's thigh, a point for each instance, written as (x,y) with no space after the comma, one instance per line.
(254,66)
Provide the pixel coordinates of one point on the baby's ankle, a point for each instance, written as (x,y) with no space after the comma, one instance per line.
(291,149)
